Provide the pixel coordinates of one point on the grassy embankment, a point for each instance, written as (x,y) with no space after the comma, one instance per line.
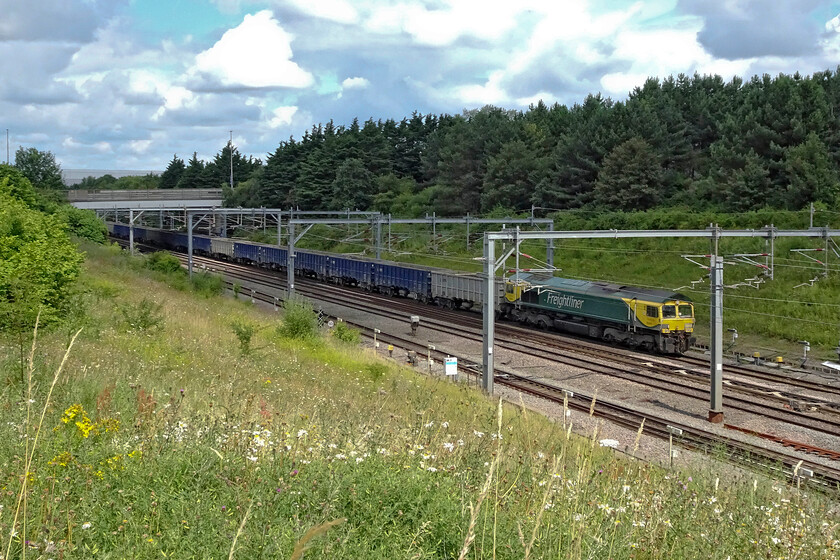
(161,438)
(770,319)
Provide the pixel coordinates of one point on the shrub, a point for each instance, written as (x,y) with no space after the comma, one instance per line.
(83,223)
(162,261)
(144,316)
(244,332)
(38,264)
(299,321)
(376,371)
(207,284)
(345,333)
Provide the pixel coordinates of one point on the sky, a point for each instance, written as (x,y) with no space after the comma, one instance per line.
(126,84)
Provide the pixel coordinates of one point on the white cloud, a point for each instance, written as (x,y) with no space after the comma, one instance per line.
(339,11)
(662,53)
(833,24)
(483,19)
(140,146)
(255,54)
(73,144)
(491,93)
(282,116)
(355,83)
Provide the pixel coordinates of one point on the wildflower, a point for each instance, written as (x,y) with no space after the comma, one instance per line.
(431,469)
(448,446)
(445,425)
(429,425)
(478,434)
(301,433)
(86,525)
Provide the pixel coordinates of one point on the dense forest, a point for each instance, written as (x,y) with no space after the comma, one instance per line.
(694,141)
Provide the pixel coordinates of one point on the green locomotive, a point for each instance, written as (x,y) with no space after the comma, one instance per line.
(647,318)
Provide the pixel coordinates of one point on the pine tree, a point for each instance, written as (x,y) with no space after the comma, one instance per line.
(169,178)
(630,178)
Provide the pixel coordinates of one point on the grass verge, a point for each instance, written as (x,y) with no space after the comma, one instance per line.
(173,442)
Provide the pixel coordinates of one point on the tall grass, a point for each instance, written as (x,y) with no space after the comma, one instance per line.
(173,444)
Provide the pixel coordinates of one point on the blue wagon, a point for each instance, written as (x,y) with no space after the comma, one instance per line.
(246,252)
(351,271)
(311,264)
(403,280)
(273,257)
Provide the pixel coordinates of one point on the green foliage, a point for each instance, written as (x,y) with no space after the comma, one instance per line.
(812,176)
(39,167)
(630,177)
(15,185)
(83,223)
(352,187)
(38,265)
(244,331)
(299,321)
(165,262)
(345,333)
(169,179)
(129,183)
(145,316)
(207,284)
(376,371)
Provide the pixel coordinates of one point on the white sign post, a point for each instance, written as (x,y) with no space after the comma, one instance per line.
(451,367)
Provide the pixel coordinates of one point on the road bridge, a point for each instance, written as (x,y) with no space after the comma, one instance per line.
(152,199)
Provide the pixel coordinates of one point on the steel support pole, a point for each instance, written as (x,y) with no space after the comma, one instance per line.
(379,237)
(131,232)
(716,357)
(279,230)
(190,243)
(290,263)
(549,252)
(489,314)
(467,219)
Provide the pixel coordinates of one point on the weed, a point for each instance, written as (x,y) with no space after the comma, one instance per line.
(244,332)
(207,284)
(376,371)
(162,261)
(345,333)
(299,321)
(143,316)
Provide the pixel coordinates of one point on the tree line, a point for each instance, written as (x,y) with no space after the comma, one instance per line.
(694,141)
(691,141)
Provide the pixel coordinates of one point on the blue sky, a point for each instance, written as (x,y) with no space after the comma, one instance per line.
(125,84)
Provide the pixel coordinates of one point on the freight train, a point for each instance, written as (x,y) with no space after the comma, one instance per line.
(652,319)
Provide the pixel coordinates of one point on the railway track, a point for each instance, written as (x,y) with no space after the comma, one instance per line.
(269,288)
